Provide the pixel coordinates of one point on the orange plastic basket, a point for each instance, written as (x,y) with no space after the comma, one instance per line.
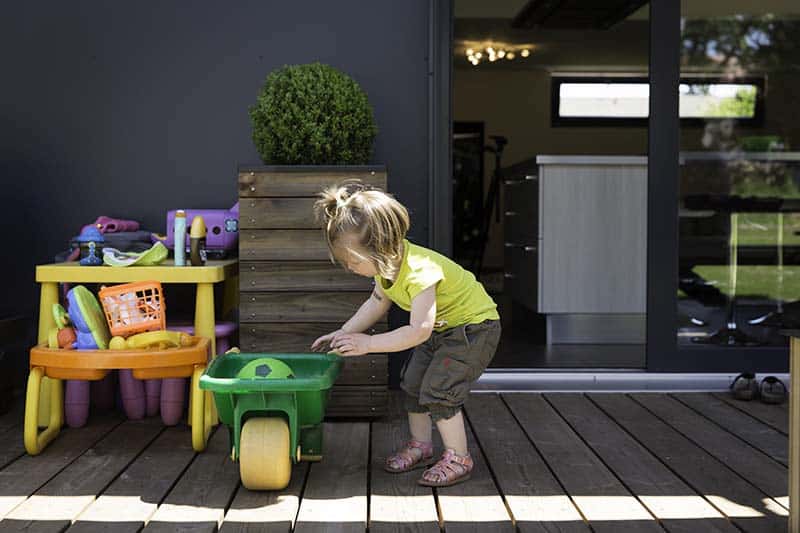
(134,307)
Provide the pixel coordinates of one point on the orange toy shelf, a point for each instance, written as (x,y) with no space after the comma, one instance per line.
(58,364)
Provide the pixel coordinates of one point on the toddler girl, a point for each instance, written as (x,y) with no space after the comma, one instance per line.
(454,327)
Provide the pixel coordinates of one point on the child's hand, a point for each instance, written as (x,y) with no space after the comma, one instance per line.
(319,344)
(351,344)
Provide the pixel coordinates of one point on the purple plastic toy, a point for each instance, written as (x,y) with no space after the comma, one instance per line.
(222,224)
(173,389)
(77,392)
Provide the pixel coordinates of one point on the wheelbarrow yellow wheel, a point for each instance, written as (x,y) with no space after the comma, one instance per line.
(264,458)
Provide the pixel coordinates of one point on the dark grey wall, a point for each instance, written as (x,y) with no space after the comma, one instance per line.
(133,108)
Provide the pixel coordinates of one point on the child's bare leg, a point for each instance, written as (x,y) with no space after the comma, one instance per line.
(453,434)
(416,452)
(419,425)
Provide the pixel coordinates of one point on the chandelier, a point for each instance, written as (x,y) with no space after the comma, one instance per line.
(479,52)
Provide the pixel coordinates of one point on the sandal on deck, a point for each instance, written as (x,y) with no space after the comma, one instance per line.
(405,458)
(449,470)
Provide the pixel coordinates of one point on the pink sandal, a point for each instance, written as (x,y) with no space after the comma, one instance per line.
(405,459)
(449,470)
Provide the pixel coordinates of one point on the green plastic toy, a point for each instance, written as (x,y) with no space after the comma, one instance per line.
(265,368)
(273,405)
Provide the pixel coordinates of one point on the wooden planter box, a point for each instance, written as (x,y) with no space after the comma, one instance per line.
(290,293)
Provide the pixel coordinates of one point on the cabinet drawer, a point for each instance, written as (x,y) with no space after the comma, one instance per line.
(521,274)
(521,216)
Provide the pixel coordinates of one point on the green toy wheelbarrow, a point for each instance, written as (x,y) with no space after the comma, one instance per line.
(273,406)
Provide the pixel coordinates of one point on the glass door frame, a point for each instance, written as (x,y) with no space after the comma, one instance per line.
(663,352)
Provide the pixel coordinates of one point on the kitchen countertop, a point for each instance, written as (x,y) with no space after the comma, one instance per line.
(637,160)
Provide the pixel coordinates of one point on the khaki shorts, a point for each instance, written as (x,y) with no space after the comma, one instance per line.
(440,372)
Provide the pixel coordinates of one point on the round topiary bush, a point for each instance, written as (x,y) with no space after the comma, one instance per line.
(312,115)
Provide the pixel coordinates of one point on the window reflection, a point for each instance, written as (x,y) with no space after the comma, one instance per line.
(739,253)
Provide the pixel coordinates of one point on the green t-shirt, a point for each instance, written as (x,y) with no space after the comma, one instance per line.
(460,298)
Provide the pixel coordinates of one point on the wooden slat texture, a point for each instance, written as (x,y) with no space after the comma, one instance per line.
(14,417)
(266,511)
(397,502)
(55,505)
(598,494)
(284,337)
(758,469)
(303,181)
(770,415)
(133,497)
(371,369)
(672,501)
(746,506)
(755,433)
(357,401)
(335,497)
(277,213)
(475,505)
(299,276)
(282,245)
(331,307)
(530,467)
(24,476)
(533,495)
(11,441)
(199,500)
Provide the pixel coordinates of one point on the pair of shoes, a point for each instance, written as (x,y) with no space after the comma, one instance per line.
(414,454)
(745,387)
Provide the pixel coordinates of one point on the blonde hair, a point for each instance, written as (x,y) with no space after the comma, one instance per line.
(379,222)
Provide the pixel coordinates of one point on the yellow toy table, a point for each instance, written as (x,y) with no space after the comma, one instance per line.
(49,276)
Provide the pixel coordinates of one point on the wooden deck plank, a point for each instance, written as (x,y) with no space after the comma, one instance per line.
(24,476)
(397,503)
(12,445)
(134,496)
(760,470)
(746,506)
(771,415)
(198,501)
(266,511)
(476,505)
(14,417)
(598,494)
(754,432)
(670,499)
(55,505)
(335,498)
(536,500)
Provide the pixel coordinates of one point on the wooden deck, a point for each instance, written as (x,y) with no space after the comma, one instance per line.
(544,462)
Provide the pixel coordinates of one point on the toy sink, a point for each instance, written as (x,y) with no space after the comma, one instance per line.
(273,422)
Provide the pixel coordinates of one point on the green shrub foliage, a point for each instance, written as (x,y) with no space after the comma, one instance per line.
(312,115)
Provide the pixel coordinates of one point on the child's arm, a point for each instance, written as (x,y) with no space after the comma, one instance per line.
(423,315)
(370,311)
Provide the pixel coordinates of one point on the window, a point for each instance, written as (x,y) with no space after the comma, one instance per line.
(624,101)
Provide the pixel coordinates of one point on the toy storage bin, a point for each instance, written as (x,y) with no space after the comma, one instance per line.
(134,307)
(92,365)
